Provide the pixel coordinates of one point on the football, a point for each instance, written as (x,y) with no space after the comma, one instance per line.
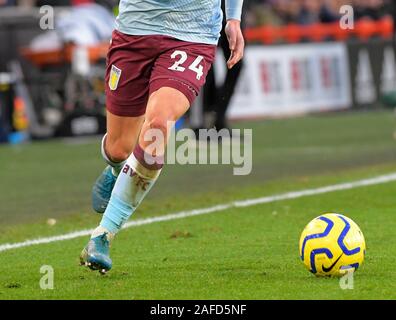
(331,245)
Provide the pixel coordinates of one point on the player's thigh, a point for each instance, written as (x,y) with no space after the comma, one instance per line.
(167,103)
(122,135)
(129,63)
(182,66)
(164,107)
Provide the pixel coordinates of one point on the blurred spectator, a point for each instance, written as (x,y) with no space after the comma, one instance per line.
(267,12)
(393,9)
(54,3)
(371,9)
(217,98)
(330,10)
(309,12)
(85,25)
(5,3)
(305,12)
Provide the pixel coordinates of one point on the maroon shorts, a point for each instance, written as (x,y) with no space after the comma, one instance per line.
(139,65)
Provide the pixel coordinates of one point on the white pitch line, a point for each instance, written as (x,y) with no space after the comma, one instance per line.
(235,204)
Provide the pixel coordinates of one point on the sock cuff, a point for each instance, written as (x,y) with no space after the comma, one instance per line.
(141,170)
(147,160)
(101,230)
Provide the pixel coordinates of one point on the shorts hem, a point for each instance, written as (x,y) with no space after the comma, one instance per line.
(125,110)
(182,86)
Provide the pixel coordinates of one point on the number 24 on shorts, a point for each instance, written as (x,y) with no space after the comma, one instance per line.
(182,57)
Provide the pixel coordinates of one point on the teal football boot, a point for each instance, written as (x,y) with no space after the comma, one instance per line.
(101,191)
(96,254)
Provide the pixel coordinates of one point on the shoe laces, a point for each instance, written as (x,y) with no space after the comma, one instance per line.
(106,238)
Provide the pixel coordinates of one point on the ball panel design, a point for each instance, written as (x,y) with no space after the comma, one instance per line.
(311,232)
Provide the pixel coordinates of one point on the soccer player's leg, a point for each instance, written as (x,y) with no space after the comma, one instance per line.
(117,144)
(171,93)
(138,175)
(129,61)
(144,165)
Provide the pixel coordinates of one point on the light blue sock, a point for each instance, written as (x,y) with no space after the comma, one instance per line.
(133,183)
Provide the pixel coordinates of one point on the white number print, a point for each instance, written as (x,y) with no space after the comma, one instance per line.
(183,57)
(195,66)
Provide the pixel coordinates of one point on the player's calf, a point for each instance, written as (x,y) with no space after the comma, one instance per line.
(101,191)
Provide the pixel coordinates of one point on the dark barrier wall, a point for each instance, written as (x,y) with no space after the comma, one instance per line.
(17,28)
(372,71)
(6,100)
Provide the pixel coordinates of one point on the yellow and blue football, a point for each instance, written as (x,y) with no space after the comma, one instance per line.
(331,245)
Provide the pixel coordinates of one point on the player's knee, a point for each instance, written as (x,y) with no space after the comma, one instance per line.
(162,112)
(159,123)
(166,107)
(118,151)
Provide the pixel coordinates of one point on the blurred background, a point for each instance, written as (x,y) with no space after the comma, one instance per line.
(298,60)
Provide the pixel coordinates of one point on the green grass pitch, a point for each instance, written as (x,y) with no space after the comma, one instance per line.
(240,253)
